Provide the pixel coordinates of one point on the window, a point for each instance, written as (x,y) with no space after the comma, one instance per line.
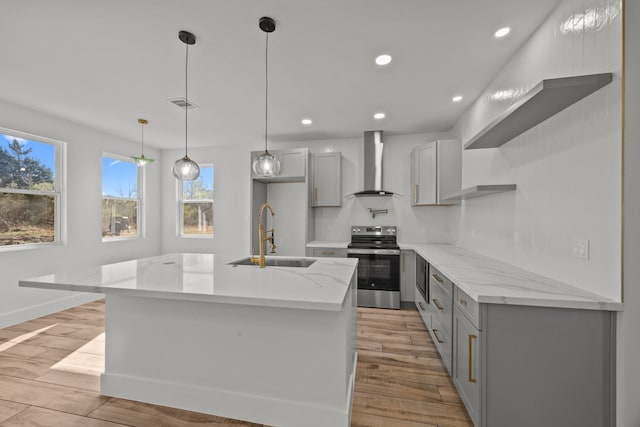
(121,184)
(30,189)
(195,202)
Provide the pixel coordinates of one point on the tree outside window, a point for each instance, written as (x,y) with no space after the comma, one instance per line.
(196,205)
(121,179)
(29,190)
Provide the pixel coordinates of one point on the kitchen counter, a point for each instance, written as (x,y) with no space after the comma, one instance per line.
(488,280)
(207,277)
(274,346)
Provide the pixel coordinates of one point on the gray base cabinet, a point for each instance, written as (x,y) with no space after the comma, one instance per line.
(523,366)
(407,275)
(327,252)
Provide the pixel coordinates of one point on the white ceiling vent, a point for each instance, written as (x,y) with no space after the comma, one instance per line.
(182,103)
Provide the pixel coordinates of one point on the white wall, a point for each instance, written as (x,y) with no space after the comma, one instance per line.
(420,224)
(567,169)
(231,173)
(629,320)
(84,246)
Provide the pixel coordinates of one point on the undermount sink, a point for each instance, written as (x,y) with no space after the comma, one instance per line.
(277,262)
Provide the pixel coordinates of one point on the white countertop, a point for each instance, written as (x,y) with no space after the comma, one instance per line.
(327,244)
(488,280)
(206,277)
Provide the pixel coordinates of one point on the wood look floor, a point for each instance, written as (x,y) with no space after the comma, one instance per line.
(50,367)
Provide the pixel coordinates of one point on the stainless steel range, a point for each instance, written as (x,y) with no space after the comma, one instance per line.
(378,253)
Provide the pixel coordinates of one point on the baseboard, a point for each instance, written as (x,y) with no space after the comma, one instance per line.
(225,403)
(35,311)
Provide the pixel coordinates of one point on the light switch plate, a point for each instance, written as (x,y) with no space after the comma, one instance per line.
(580,248)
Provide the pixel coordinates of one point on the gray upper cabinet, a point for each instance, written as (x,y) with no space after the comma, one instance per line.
(293,165)
(327,180)
(436,171)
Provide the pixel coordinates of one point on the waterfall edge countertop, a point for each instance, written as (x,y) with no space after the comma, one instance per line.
(490,281)
(208,277)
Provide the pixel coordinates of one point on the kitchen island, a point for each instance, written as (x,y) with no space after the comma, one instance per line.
(274,346)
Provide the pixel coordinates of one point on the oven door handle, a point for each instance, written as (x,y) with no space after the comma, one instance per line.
(373,252)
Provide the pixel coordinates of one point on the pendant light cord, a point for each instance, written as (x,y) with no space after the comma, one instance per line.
(266,89)
(186,100)
(142,128)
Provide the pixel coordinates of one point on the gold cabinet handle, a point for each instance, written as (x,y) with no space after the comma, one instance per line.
(471,338)
(328,253)
(421,306)
(463,301)
(435,276)
(437,304)
(435,334)
(415,193)
(315,196)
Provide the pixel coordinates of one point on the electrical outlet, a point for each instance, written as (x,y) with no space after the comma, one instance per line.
(580,249)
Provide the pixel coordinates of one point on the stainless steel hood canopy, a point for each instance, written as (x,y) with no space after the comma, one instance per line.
(373,177)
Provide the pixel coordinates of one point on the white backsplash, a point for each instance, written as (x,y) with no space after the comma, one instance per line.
(425,224)
(567,169)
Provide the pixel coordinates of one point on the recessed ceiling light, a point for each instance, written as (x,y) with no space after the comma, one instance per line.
(502,32)
(457,98)
(379,116)
(306,122)
(384,59)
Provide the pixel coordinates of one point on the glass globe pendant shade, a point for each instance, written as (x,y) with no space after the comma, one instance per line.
(186,169)
(266,165)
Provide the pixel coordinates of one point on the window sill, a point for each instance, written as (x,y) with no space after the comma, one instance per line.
(119,239)
(29,246)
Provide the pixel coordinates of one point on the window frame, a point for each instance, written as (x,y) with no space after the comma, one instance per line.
(180,207)
(140,183)
(59,192)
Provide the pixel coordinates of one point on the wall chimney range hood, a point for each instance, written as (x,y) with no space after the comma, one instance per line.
(373,178)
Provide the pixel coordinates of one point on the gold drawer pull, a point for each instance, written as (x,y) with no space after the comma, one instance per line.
(421,306)
(463,301)
(415,193)
(435,334)
(471,338)
(315,196)
(435,276)
(437,304)
(328,253)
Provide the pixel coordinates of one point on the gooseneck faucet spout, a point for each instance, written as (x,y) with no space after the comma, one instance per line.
(261,236)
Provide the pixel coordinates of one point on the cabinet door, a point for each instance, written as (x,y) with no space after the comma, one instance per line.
(329,252)
(292,163)
(407,275)
(327,182)
(424,175)
(466,357)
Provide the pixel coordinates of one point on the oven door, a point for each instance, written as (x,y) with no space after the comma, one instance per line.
(378,269)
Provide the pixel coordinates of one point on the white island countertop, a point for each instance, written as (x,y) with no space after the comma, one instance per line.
(490,281)
(207,277)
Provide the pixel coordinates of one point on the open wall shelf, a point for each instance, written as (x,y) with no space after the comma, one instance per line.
(547,98)
(478,191)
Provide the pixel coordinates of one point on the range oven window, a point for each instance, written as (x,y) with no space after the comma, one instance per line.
(378,272)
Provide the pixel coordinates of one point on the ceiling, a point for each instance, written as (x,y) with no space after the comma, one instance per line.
(107,63)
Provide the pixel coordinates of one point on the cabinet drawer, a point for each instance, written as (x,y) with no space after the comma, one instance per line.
(468,306)
(442,308)
(423,309)
(443,343)
(329,252)
(438,279)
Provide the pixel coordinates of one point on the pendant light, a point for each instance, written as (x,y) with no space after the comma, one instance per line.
(185,168)
(266,164)
(142,160)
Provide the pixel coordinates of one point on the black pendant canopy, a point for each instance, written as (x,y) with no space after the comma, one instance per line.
(186,37)
(268,25)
